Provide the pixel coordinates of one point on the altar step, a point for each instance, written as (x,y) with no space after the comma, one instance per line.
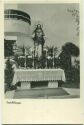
(40,93)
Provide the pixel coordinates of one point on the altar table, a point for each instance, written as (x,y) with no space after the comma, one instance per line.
(26,76)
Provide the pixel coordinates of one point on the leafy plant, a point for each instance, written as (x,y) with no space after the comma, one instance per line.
(68,50)
(9,73)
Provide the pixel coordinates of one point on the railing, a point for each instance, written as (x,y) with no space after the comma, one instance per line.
(17,15)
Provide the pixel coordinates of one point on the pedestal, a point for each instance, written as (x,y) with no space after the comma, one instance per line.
(25,85)
(53,84)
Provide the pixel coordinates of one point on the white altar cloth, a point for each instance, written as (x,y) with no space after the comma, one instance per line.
(28,75)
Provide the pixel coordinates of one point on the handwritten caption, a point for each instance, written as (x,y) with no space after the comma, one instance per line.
(13,102)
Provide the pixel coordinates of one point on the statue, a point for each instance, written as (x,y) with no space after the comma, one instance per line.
(38,46)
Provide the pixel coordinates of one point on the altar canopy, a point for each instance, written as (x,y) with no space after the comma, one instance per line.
(24,75)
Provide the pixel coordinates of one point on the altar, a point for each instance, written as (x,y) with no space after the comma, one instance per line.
(26,76)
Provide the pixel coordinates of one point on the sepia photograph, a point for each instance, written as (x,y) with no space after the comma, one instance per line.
(41,51)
